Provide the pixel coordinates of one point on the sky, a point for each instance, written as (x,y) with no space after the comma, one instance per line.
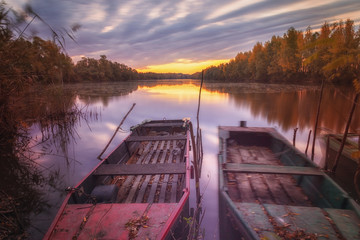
(178,36)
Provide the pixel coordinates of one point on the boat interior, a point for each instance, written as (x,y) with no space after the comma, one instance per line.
(148,167)
(267,178)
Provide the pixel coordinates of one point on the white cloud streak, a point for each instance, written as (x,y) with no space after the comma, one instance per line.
(149,32)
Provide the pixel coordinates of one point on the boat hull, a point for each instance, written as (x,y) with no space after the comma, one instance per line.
(140,191)
(269,190)
(347,165)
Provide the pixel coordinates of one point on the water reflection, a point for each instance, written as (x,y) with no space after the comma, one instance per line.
(22,176)
(92,93)
(259,105)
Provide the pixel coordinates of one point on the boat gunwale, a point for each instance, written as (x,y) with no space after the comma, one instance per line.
(223,188)
(186,193)
(335,142)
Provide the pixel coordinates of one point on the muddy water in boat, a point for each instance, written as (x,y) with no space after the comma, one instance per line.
(282,107)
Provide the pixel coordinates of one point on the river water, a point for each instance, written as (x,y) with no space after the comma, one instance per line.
(282,107)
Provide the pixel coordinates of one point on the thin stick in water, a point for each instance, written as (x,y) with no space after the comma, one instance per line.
(117,129)
(294,137)
(338,155)
(307,144)
(317,120)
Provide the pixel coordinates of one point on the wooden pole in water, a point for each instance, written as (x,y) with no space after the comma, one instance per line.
(317,120)
(307,144)
(117,129)
(294,137)
(327,152)
(198,109)
(198,139)
(338,155)
(357,173)
(196,170)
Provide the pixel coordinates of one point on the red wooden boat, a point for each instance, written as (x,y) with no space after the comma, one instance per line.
(140,191)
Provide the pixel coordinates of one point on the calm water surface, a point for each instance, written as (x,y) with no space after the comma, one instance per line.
(259,105)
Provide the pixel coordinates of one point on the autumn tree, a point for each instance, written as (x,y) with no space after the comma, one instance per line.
(342,64)
(290,60)
(272,49)
(331,54)
(258,63)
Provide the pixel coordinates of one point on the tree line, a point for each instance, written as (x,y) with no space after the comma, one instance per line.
(32,59)
(43,61)
(297,56)
(102,70)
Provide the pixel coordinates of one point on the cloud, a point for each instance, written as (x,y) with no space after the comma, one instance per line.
(140,33)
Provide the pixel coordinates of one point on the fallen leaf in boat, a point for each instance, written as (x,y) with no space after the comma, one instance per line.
(345,215)
(355,154)
(84,219)
(323,235)
(290,214)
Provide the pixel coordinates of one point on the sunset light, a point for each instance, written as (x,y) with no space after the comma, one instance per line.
(184,92)
(182,66)
(189,105)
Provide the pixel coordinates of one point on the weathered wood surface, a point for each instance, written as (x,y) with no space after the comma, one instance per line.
(155,181)
(126,185)
(166,124)
(247,129)
(142,169)
(144,185)
(174,189)
(276,193)
(255,174)
(155,138)
(165,180)
(277,220)
(135,184)
(271,169)
(154,173)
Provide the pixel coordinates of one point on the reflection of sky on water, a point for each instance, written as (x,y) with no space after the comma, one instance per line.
(158,102)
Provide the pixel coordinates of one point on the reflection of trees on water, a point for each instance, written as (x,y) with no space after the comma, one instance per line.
(18,176)
(295,107)
(92,93)
(54,111)
(288,110)
(298,109)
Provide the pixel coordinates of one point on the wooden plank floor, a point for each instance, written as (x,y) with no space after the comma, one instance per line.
(266,188)
(154,186)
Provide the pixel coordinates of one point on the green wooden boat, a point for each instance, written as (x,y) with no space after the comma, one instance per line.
(269,190)
(347,165)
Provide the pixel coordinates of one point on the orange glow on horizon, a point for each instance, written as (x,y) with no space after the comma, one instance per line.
(183,92)
(185,66)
